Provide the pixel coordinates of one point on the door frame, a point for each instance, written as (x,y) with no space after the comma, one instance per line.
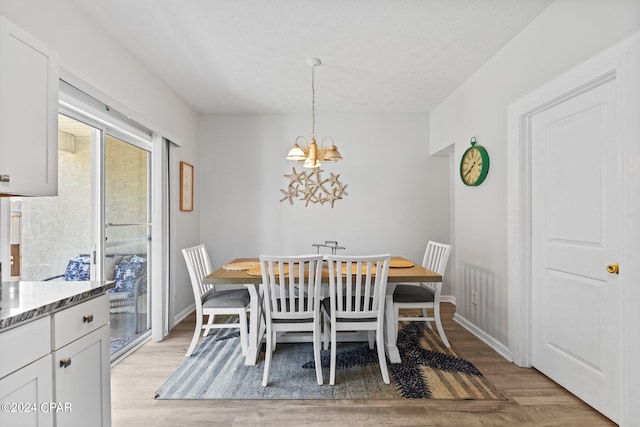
(622,63)
(82,106)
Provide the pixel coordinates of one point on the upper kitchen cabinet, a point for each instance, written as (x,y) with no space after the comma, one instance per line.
(28,114)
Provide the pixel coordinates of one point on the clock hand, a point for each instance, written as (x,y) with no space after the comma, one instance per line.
(470,169)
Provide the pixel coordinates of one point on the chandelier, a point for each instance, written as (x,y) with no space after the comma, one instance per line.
(310,153)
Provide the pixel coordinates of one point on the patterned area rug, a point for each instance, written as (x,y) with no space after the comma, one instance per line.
(428,370)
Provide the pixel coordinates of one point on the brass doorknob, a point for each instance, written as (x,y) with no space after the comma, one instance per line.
(613,268)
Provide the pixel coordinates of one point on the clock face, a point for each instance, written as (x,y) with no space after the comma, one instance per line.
(474,166)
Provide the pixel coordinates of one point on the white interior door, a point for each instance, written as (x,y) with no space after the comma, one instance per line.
(575,236)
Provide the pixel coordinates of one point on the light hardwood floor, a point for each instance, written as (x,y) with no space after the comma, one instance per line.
(533,399)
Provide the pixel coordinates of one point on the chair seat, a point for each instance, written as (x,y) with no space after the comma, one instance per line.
(305,302)
(410,293)
(233,298)
(326,305)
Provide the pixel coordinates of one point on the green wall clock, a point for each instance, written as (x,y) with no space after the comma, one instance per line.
(474,165)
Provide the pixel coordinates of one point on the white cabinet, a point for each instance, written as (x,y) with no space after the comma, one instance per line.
(28,114)
(56,370)
(26,395)
(81,360)
(81,381)
(26,380)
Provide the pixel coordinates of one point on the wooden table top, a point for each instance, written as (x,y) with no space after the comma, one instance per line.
(417,273)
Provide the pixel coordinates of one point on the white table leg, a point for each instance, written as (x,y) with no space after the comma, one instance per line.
(391,326)
(256,328)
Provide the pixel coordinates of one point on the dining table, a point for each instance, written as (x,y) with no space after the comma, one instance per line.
(401,270)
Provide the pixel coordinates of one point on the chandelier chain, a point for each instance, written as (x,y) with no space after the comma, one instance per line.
(312,153)
(313,103)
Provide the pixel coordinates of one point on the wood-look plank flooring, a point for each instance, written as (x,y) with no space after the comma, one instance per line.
(532,398)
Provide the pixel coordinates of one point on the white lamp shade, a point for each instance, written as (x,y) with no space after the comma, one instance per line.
(308,163)
(332,154)
(296,153)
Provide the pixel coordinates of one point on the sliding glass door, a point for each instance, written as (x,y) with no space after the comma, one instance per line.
(127,238)
(99,225)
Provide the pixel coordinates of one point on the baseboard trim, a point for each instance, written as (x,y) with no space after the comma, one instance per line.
(448,298)
(499,348)
(182,315)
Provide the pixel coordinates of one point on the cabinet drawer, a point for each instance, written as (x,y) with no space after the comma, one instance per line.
(79,320)
(24,344)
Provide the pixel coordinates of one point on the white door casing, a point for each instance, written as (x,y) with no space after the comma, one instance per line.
(619,64)
(574,235)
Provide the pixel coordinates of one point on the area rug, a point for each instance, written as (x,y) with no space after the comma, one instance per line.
(428,370)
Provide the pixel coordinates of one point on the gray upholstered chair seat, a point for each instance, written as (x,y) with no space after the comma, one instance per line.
(410,293)
(234,298)
(326,305)
(305,302)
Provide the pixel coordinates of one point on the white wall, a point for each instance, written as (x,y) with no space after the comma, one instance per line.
(398,195)
(92,61)
(564,35)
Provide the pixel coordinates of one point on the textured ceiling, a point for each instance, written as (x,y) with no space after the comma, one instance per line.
(249,56)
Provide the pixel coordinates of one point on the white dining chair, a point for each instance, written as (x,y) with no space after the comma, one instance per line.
(357,287)
(291,291)
(425,295)
(210,302)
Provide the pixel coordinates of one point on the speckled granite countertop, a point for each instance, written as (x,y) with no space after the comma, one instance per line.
(22,302)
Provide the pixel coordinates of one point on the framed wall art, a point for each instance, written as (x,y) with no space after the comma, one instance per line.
(186,187)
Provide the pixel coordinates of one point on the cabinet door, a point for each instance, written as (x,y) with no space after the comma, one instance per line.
(28,114)
(82,381)
(26,394)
